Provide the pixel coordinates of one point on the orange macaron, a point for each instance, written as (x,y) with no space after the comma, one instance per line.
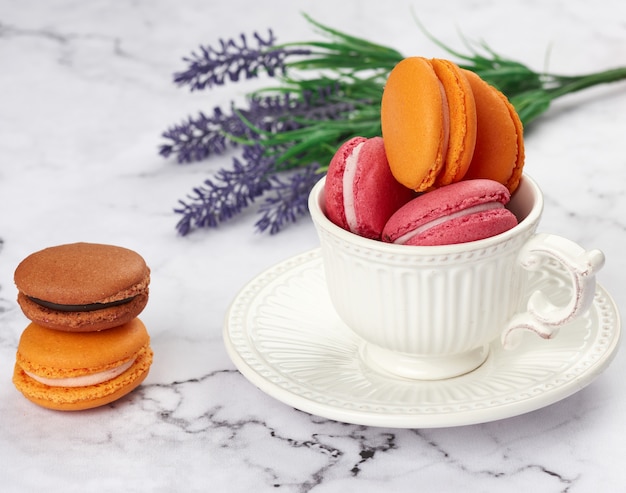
(499,151)
(82,287)
(428,119)
(439,126)
(72,371)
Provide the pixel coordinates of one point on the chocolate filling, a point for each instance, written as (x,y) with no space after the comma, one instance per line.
(89,307)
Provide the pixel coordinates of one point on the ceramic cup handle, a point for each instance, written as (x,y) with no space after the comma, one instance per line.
(542,316)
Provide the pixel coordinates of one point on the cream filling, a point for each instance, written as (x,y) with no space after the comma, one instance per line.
(85,380)
(435,222)
(349,173)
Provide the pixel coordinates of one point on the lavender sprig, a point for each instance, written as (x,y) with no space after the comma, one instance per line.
(213,66)
(228,193)
(232,190)
(287,200)
(201,137)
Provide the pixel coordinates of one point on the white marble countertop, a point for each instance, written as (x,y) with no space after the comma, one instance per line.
(85,92)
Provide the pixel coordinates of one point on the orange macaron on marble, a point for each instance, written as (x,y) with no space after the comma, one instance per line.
(74,371)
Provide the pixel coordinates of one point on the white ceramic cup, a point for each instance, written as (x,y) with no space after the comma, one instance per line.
(431,312)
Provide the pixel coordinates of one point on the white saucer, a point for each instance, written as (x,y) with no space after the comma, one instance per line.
(283,334)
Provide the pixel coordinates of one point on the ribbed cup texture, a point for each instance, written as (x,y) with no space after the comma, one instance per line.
(451,307)
(433,301)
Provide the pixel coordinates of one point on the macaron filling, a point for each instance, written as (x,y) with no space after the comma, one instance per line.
(88,307)
(349,174)
(84,380)
(448,217)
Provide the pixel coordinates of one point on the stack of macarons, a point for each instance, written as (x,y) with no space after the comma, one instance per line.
(85,346)
(442,126)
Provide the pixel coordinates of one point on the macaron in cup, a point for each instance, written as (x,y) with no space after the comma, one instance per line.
(361,192)
(461,212)
(441,124)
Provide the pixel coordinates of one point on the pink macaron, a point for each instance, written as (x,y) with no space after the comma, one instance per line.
(465,211)
(361,194)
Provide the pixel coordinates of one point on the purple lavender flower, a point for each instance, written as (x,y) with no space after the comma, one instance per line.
(283,132)
(203,136)
(200,137)
(288,200)
(232,190)
(327,102)
(228,194)
(213,66)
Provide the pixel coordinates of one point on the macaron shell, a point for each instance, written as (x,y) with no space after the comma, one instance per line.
(518,169)
(333,188)
(462,110)
(105,318)
(445,201)
(376,193)
(499,151)
(81,398)
(82,273)
(473,227)
(57,354)
(413,123)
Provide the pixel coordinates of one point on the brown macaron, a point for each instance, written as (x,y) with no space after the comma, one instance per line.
(82,287)
(75,371)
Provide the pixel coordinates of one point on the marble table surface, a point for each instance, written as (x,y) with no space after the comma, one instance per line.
(85,93)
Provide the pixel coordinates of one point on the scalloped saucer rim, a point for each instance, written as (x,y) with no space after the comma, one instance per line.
(283,335)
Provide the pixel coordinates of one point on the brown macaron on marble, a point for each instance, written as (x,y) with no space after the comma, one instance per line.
(72,371)
(82,287)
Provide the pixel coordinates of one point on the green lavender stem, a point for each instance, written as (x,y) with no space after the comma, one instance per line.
(533,103)
(577,83)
